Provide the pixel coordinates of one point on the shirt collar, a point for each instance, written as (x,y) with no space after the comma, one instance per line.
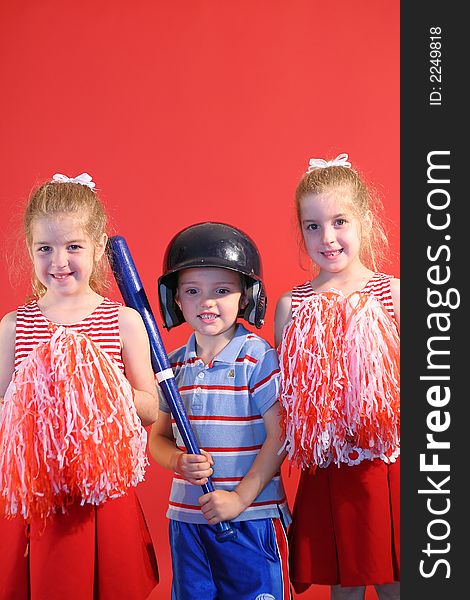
(229,354)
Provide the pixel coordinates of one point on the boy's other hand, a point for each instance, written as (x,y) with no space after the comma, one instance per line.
(221,505)
(195,468)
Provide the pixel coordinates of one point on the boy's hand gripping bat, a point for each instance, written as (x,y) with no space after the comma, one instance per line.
(133,293)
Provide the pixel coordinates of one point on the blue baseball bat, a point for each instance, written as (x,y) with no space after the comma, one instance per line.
(133,294)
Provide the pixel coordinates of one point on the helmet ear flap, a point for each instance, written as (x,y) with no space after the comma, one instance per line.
(257,303)
(171,312)
(261,306)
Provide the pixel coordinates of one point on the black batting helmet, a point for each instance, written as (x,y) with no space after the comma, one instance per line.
(212,244)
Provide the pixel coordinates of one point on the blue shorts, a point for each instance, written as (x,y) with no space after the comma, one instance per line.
(253,566)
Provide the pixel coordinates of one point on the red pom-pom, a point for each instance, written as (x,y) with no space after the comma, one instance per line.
(69,430)
(340,379)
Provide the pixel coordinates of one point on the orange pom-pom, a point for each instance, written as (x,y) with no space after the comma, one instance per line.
(69,430)
(340,384)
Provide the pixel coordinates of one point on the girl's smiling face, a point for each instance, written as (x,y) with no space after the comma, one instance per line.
(63,253)
(210,299)
(330,229)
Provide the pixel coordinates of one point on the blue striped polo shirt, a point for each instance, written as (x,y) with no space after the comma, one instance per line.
(225,401)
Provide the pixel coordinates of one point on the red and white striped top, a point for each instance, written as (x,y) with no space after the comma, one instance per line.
(102,326)
(378,286)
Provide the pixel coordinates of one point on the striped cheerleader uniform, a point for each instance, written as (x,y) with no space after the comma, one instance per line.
(346,517)
(90,552)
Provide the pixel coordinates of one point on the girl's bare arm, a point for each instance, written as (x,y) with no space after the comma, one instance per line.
(7,350)
(137,364)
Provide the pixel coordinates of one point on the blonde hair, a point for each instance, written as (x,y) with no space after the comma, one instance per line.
(55,198)
(365,202)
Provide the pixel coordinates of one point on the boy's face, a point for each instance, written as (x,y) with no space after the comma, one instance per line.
(210,298)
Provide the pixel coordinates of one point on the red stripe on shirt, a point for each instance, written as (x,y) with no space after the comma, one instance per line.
(246,357)
(234,449)
(232,388)
(222,418)
(265,380)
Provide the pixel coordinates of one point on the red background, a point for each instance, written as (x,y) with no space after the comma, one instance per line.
(192,110)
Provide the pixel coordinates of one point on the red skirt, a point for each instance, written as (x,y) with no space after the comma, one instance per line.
(90,553)
(346,526)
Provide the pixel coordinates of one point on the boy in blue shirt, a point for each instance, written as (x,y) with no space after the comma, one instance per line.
(228,378)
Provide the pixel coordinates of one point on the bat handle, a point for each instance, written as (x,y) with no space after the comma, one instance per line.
(225,531)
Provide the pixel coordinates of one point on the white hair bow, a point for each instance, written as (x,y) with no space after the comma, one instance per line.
(318,163)
(83,179)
